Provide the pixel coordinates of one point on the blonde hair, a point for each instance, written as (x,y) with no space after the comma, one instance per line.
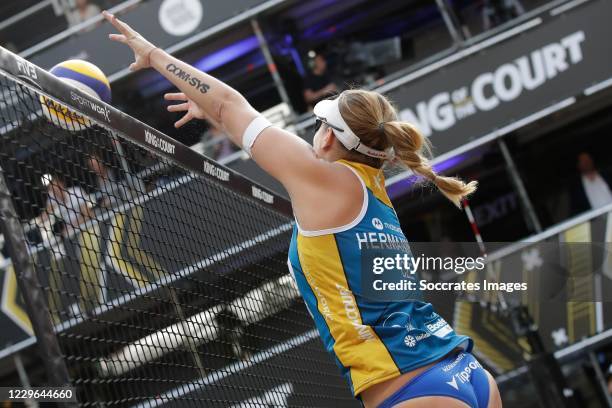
(374,120)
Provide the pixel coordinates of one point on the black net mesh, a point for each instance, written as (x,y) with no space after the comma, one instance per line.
(164,287)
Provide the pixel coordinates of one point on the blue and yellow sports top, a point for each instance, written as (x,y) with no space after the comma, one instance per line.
(371,341)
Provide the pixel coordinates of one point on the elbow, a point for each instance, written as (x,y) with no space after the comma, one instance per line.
(230,102)
(218,108)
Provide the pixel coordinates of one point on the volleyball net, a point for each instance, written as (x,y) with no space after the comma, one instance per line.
(148,274)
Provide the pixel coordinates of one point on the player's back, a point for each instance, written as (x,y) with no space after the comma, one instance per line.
(372,340)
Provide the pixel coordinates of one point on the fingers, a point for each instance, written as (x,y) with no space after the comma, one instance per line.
(183,120)
(118,37)
(113,20)
(179,107)
(118,24)
(106,15)
(176,96)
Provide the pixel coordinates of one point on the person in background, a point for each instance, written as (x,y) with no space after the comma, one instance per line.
(591,189)
(217,145)
(318,84)
(109,190)
(69,205)
(83,11)
(496,12)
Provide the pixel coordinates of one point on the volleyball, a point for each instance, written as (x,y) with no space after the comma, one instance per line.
(85,76)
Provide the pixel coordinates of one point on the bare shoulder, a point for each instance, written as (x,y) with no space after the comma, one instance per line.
(335,201)
(337,180)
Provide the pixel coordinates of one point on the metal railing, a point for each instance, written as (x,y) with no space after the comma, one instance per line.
(15,18)
(118,9)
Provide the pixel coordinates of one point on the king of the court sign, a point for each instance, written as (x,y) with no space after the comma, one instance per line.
(504,84)
(509,80)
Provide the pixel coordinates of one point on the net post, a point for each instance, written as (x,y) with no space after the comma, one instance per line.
(33,294)
(193,347)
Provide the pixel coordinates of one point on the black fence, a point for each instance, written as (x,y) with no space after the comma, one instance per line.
(149,274)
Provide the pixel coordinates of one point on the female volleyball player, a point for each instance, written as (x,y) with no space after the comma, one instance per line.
(393,354)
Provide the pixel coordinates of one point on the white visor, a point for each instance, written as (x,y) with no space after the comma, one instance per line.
(328,112)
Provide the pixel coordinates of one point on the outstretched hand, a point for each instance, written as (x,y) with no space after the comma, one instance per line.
(142,48)
(187,105)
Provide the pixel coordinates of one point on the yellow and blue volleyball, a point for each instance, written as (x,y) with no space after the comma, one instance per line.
(84,76)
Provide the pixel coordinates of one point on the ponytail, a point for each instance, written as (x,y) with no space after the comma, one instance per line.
(409,144)
(373,118)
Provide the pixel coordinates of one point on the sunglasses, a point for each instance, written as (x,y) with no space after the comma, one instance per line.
(319,121)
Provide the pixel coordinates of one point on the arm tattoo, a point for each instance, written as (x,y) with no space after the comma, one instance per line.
(186,77)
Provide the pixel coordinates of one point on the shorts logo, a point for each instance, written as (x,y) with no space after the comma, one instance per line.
(465,374)
(453,383)
(452,365)
(377,223)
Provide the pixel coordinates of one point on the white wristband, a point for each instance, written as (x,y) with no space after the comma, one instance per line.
(254,129)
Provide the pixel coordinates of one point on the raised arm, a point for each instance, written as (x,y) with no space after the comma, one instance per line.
(284,155)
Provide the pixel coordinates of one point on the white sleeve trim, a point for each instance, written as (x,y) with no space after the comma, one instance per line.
(257,125)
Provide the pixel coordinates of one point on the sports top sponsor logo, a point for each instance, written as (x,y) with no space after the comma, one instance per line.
(377,223)
(438,324)
(412,340)
(352,313)
(393,228)
(439,328)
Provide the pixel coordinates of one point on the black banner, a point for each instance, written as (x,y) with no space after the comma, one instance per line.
(156,20)
(507,78)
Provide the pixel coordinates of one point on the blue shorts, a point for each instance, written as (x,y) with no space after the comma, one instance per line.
(458,376)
